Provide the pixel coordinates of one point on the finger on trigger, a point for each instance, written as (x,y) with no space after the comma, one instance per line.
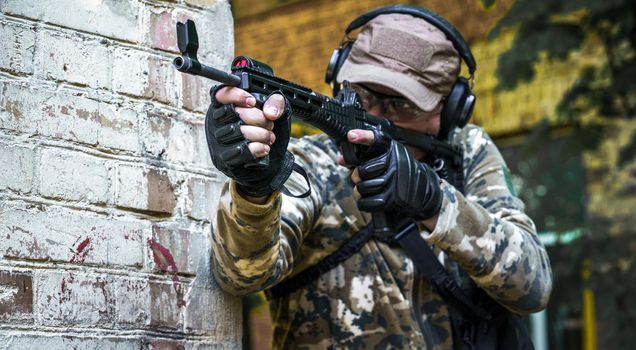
(274,107)
(236,96)
(258,134)
(362,137)
(258,149)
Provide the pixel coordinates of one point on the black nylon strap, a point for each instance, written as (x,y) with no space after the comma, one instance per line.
(348,248)
(297,168)
(425,260)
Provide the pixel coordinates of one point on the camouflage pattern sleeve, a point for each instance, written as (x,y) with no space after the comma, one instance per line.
(488,233)
(254,246)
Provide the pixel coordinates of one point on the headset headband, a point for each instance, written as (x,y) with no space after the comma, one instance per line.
(451,33)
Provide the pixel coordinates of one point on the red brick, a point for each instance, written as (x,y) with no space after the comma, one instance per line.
(16,295)
(161,196)
(165,344)
(195,93)
(143,188)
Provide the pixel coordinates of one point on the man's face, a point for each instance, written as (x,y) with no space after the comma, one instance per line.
(384,102)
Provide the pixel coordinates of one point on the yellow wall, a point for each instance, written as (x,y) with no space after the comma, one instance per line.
(297,38)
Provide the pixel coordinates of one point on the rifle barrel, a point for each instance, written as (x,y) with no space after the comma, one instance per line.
(194,67)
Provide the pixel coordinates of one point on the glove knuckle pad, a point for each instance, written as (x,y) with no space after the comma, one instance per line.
(225,114)
(236,155)
(229,134)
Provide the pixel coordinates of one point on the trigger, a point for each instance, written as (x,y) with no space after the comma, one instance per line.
(260,99)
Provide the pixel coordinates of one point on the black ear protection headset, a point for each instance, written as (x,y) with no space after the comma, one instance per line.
(459,103)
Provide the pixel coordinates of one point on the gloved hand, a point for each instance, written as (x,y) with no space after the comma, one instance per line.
(394,182)
(237,133)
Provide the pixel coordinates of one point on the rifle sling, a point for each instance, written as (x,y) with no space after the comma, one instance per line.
(414,246)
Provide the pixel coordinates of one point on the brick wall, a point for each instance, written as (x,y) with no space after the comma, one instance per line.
(107,192)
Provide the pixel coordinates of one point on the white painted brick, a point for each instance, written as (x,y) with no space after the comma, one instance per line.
(16,168)
(155,133)
(116,19)
(77,59)
(39,232)
(132,185)
(133,302)
(208,296)
(69,298)
(164,135)
(23,340)
(214,26)
(75,176)
(130,71)
(202,3)
(63,114)
(17,47)
(84,299)
(202,155)
(17,111)
(144,188)
(141,74)
(118,127)
(202,198)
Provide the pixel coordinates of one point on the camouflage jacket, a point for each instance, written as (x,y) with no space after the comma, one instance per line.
(376,299)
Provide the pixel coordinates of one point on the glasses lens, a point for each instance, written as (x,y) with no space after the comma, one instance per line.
(367,98)
(399,107)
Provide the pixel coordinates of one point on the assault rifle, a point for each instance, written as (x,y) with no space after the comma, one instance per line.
(334,116)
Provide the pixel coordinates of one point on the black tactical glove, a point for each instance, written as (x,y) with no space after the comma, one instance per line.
(230,153)
(395,182)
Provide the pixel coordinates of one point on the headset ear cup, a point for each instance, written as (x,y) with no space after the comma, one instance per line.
(467,111)
(335,63)
(332,66)
(457,109)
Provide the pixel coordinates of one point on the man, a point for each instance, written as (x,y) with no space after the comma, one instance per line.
(375,298)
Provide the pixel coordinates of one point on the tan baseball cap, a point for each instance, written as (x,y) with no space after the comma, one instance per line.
(406,54)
